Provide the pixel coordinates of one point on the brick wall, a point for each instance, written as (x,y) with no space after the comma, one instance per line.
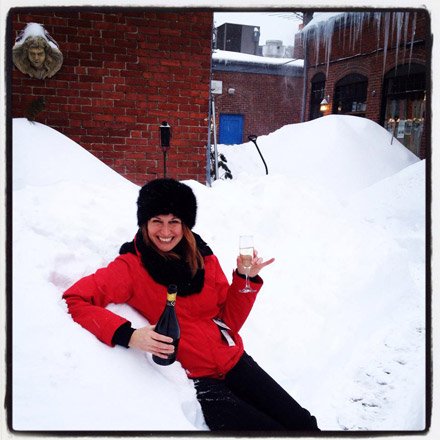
(124,72)
(370,66)
(267,102)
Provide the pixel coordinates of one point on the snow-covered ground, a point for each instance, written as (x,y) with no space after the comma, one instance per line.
(340,322)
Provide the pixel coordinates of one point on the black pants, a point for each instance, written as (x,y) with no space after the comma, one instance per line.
(249,399)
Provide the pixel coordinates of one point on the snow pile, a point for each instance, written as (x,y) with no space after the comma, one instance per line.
(339,322)
(337,155)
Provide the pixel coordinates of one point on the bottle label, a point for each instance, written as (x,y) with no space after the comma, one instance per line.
(171,298)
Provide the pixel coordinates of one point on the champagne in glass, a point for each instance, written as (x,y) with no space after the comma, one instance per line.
(247,254)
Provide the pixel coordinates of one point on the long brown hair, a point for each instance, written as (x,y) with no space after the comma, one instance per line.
(192,254)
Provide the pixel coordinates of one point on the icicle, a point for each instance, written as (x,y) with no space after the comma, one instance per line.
(392,25)
(328,39)
(306,34)
(356,31)
(378,20)
(405,32)
(351,34)
(341,37)
(399,22)
(329,30)
(412,38)
(385,39)
(317,44)
(358,20)
(342,31)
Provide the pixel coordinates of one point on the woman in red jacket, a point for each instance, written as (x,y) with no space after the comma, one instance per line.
(233,391)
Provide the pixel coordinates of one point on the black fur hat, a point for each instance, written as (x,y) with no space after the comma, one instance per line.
(167,196)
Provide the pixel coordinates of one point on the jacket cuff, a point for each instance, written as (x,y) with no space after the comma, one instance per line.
(257,279)
(123,334)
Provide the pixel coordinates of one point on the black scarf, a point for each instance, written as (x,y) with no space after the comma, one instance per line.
(167,271)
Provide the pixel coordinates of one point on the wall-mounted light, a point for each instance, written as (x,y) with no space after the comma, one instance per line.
(231,91)
(324,106)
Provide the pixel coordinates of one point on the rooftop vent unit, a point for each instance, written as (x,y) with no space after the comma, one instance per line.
(238,38)
(274,48)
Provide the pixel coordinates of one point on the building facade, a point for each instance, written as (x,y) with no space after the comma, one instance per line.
(259,95)
(373,65)
(125,71)
(128,70)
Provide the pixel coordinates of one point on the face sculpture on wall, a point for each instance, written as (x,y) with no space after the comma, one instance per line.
(36,53)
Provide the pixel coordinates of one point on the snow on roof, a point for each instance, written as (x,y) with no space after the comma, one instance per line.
(321,29)
(226,55)
(320,18)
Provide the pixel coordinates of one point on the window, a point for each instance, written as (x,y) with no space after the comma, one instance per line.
(351,95)
(317,95)
(404,104)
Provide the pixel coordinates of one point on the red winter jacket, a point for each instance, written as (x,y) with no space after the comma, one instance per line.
(203,352)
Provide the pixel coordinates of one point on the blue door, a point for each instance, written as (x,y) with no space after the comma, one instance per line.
(231,129)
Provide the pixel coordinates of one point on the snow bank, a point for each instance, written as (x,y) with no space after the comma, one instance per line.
(341,314)
(335,154)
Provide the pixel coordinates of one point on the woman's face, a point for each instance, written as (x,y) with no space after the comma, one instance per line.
(165,231)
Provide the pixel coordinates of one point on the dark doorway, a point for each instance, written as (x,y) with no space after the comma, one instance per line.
(317,95)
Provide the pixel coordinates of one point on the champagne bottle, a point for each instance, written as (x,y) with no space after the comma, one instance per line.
(169,326)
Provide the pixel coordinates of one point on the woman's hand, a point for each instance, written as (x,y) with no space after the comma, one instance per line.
(146,339)
(257,265)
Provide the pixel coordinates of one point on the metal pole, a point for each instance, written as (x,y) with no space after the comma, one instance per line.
(164,164)
(215,139)
(208,152)
(208,147)
(304,97)
(253,139)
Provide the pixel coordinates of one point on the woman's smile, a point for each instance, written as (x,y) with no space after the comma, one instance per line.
(165,240)
(165,231)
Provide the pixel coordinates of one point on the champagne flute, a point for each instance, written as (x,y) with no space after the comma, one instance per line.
(247,254)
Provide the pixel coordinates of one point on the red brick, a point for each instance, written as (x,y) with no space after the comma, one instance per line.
(116,85)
